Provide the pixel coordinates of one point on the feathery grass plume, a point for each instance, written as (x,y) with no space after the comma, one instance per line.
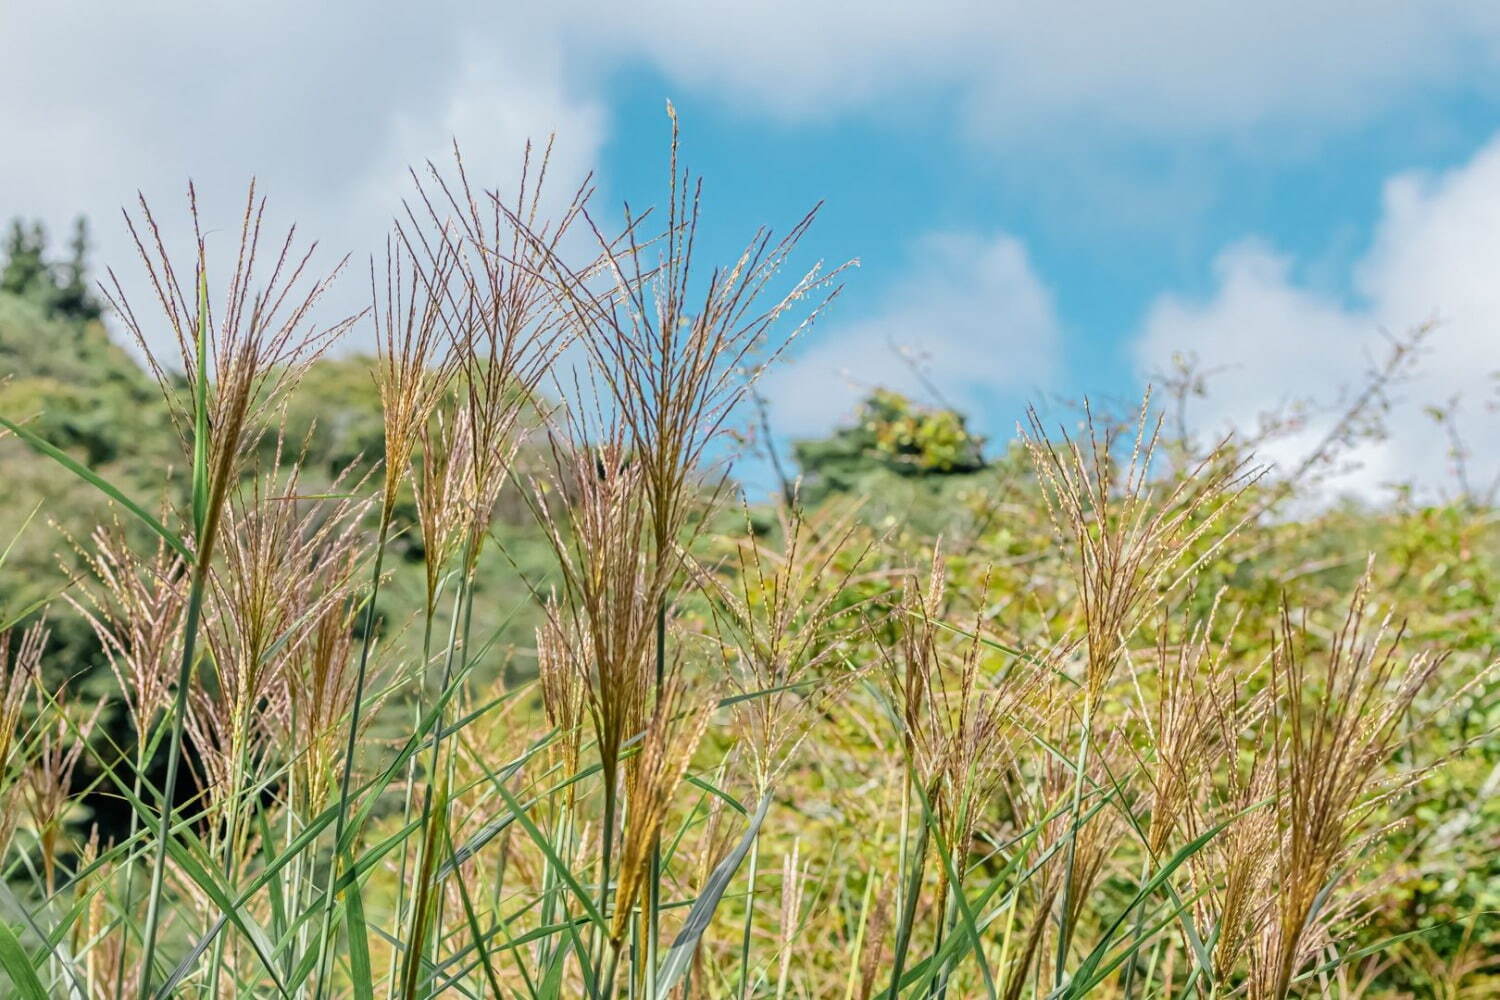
(675,360)
(1241,897)
(1018,972)
(237,363)
(482,274)
(1132,541)
(876,947)
(910,669)
(1193,720)
(99,941)
(413,370)
(20,672)
(438,484)
(984,726)
(415,366)
(1182,745)
(1183,742)
(792,618)
(561,680)
(480,255)
(912,663)
(1235,810)
(970,729)
(288,563)
(1339,714)
(793,885)
(483,258)
(47,781)
(416,363)
(414,360)
(591,505)
(789,623)
(678,720)
(320,684)
(961,731)
(1127,533)
(285,565)
(136,613)
(1233,872)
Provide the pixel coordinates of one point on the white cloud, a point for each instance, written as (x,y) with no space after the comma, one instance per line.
(1433,257)
(970,314)
(1172,65)
(325,105)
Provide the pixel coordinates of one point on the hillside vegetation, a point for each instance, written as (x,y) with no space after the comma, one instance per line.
(465,669)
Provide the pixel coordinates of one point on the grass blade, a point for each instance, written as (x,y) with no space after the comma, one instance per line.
(99,483)
(680,955)
(18,967)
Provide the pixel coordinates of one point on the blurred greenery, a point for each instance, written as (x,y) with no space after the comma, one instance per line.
(890,436)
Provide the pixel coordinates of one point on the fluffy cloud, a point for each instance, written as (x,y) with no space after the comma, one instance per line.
(1171,65)
(970,319)
(325,107)
(1433,257)
(329,102)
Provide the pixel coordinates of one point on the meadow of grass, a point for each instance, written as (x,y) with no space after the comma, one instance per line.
(1113,714)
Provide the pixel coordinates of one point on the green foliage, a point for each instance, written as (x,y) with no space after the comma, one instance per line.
(60,288)
(335,415)
(890,434)
(68,382)
(80,389)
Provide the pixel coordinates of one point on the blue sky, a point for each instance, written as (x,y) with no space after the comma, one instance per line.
(1313,191)
(1043,203)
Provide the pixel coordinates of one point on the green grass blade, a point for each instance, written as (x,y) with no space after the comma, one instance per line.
(18,967)
(540,839)
(965,911)
(99,483)
(551,985)
(25,523)
(200,406)
(1083,980)
(357,931)
(474,929)
(259,942)
(680,955)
